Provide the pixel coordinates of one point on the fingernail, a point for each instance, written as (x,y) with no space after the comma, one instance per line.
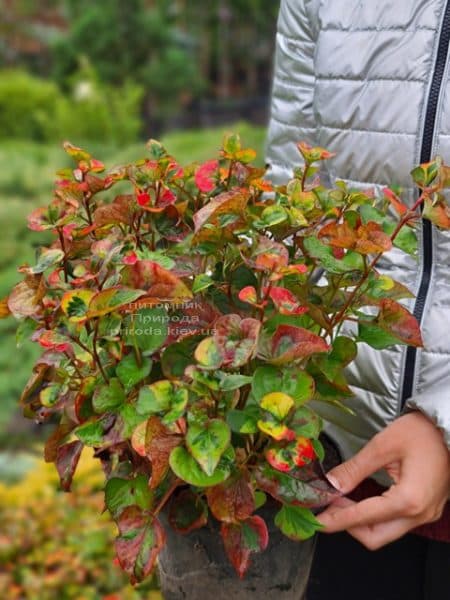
(334,482)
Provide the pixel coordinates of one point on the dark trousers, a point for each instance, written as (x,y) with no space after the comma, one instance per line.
(412,568)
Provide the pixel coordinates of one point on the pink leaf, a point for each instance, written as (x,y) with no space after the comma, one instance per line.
(205,176)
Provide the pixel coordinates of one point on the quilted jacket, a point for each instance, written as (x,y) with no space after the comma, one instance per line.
(369,79)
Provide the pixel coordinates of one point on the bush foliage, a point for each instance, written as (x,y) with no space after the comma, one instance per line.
(34,108)
(55,547)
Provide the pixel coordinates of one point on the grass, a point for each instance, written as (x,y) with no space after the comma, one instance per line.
(26,180)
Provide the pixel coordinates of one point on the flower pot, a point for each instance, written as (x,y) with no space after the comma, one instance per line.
(195,566)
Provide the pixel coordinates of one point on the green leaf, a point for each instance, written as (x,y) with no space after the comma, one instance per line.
(162,397)
(231,143)
(207,442)
(201,282)
(112,299)
(158,257)
(297,523)
(24,331)
(277,404)
(186,468)
(273,215)
(260,499)
(178,356)
(147,329)
(296,383)
(406,238)
(130,373)
(48,258)
(425,174)
(233,382)
(91,433)
(352,261)
(49,396)
(209,354)
(243,421)
(394,324)
(370,213)
(108,396)
(155,149)
(121,493)
(343,352)
(306,423)
(131,419)
(375,336)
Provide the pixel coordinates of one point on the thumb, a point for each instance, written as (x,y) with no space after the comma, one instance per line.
(346,476)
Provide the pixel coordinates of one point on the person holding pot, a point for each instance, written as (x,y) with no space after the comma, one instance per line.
(370,80)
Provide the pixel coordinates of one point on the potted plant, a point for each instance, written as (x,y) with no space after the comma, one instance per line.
(185,331)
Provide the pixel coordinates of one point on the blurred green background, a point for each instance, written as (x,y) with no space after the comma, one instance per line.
(107,75)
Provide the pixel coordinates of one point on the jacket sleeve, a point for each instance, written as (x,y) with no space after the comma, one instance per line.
(292,118)
(435,404)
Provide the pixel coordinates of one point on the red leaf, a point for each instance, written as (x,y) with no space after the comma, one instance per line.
(276,458)
(143,198)
(25,297)
(205,176)
(313,154)
(273,259)
(237,338)
(290,343)
(154,440)
(119,211)
(233,500)
(395,201)
(160,284)
(397,320)
(130,258)
(52,340)
(248,294)
(67,457)
(303,452)
(306,486)
(227,203)
(338,253)
(53,442)
(372,239)
(166,198)
(139,543)
(286,302)
(242,539)
(339,235)
(437,212)
(286,458)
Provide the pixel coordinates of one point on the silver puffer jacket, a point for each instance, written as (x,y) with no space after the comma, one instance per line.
(369,79)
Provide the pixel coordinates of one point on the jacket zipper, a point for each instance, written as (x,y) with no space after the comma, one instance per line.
(427,233)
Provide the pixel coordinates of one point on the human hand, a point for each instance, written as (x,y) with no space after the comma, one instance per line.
(412,451)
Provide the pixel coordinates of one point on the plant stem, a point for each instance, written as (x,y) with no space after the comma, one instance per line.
(63,248)
(230,173)
(95,352)
(403,221)
(72,361)
(166,496)
(304,175)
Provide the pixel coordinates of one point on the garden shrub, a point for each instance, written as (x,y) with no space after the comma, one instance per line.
(35,109)
(54,547)
(28,106)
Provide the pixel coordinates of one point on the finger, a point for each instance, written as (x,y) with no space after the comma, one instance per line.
(376,536)
(355,514)
(373,457)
